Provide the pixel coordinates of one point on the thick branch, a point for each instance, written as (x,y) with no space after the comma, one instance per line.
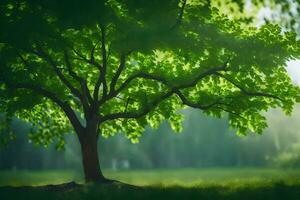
(140,113)
(173,89)
(63,105)
(152,105)
(162,80)
(176,90)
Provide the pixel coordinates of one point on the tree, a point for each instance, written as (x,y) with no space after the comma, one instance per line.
(108,66)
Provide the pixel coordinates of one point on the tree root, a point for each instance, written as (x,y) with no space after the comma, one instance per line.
(119,184)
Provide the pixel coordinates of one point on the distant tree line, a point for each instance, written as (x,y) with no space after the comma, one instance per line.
(204,142)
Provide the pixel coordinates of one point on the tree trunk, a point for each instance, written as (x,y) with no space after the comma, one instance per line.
(90,159)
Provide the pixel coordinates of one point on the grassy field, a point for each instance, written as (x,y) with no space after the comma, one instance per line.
(213,183)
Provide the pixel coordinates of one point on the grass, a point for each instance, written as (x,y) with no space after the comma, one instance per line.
(37,178)
(167,177)
(210,176)
(213,183)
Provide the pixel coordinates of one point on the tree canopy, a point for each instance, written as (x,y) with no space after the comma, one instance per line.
(130,63)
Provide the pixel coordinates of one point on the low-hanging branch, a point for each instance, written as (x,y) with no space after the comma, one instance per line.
(176,90)
(165,82)
(172,90)
(51,96)
(153,104)
(145,75)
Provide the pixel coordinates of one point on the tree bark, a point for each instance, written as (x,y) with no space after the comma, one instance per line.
(90,159)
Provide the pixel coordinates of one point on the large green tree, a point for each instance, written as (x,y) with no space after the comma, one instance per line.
(107,66)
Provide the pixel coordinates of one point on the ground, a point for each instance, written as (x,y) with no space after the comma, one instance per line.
(212,184)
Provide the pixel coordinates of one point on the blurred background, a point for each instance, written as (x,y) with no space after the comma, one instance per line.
(204,142)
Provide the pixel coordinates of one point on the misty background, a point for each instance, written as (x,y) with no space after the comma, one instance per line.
(204,142)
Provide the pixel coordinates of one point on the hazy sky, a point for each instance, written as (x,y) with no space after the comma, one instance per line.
(293,68)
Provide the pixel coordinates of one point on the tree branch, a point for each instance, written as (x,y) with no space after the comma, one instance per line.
(244,91)
(118,73)
(92,57)
(162,80)
(63,79)
(80,80)
(102,70)
(152,105)
(233,113)
(63,105)
(146,109)
(92,61)
(81,57)
(173,89)
(180,16)
(185,101)
(70,70)
(59,74)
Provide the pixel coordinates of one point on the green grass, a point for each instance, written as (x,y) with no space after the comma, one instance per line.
(168,177)
(211,176)
(37,178)
(212,183)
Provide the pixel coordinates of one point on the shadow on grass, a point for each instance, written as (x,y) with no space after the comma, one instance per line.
(275,191)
